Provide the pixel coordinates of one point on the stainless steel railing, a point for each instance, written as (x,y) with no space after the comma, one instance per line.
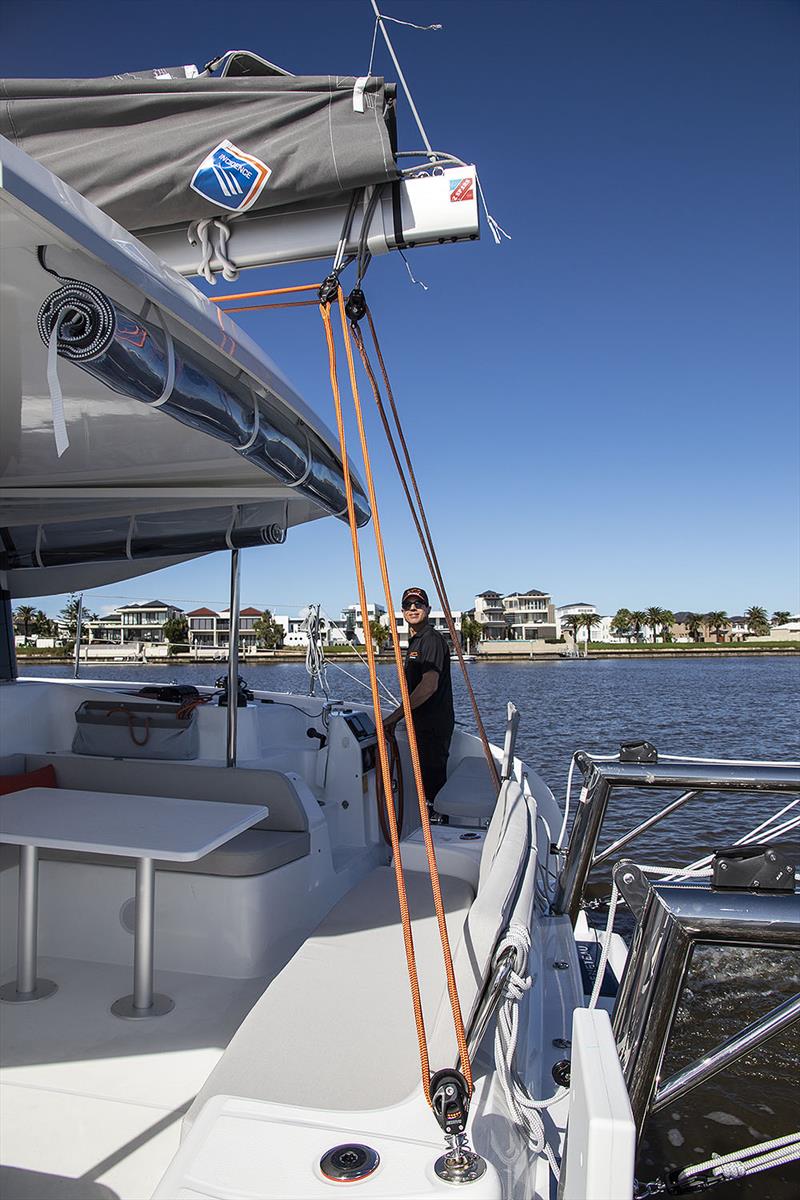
(671,920)
(601,779)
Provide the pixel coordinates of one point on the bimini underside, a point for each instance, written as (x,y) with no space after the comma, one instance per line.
(158,431)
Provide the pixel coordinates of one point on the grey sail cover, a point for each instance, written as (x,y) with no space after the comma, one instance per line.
(168,151)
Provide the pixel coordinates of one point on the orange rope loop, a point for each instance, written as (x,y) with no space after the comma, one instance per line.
(426,538)
(410,731)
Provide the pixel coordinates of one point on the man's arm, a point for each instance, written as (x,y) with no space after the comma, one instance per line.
(422,692)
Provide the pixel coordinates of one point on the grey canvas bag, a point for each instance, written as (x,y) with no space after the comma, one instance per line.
(135,729)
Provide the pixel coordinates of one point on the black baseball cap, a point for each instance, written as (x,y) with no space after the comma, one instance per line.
(415,593)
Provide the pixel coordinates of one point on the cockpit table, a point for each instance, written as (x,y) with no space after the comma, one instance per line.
(146,828)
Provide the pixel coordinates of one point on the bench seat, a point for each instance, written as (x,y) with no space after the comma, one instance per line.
(282,837)
(469,791)
(253,852)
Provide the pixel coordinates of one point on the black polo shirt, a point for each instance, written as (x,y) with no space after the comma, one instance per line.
(428,651)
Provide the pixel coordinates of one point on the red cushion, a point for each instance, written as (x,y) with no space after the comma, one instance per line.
(44,777)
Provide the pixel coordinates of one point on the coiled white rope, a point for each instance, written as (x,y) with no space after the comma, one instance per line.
(315,652)
(524,1108)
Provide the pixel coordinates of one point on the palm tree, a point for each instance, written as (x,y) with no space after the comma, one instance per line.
(637,620)
(666,621)
(653,618)
(757,620)
(781,617)
(694,624)
(587,620)
(572,624)
(718,621)
(622,623)
(24,616)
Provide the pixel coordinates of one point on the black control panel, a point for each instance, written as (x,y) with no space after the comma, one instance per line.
(362,726)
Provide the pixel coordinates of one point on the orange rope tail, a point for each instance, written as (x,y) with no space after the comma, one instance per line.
(411,733)
(405,918)
(303,287)
(428,547)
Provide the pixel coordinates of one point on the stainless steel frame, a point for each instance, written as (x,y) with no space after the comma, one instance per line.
(672,919)
(233,659)
(600,779)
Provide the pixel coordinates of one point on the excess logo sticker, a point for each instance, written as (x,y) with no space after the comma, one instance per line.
(462,189)
(230,178)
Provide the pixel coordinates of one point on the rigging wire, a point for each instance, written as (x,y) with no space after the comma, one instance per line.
(379,21)
(420,520)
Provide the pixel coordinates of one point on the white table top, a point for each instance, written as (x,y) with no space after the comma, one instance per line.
(110,823)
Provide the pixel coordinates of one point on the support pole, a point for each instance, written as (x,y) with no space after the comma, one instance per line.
(77,667)
(233,658)
(143,1001)
(27,986)
(145,929)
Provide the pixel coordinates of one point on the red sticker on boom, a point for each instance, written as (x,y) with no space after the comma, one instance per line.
(461,189)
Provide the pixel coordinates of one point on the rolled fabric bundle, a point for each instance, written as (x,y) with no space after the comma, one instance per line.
(148,535)
(139,359)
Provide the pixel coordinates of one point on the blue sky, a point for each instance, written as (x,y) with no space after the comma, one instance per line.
(605,407)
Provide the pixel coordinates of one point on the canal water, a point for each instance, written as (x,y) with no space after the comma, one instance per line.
(722,708)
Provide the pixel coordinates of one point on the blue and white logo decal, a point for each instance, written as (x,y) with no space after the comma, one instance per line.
(230,178)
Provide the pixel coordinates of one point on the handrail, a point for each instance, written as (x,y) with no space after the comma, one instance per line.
(601,778)
(489,1001)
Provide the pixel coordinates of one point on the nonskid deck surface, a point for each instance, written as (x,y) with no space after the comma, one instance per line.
(91,1105)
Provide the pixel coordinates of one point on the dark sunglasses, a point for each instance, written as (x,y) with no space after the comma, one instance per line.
(412,604)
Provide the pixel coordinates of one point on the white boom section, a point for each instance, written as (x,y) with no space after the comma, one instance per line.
(423,211)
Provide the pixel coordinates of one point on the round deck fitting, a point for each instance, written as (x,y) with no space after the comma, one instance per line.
(465,1167)
(349,1163)
(42,989)
(124,1008)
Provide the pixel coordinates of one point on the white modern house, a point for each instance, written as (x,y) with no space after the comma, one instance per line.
(350,621)
(144,622)
(489,613)
(572,610)
(210,630)
(530,616)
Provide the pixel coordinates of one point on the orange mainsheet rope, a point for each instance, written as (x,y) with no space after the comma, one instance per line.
(303,287)
(410,731)
(285,304)
(383,755)
(428,548)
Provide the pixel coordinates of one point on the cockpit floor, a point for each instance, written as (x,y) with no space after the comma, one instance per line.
(91,1105)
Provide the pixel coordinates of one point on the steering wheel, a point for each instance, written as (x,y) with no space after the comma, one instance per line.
(396,775)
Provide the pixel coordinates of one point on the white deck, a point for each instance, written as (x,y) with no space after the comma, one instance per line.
(91,1106)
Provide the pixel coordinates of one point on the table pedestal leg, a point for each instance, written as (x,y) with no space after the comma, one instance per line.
(27,986)
(143,1002)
